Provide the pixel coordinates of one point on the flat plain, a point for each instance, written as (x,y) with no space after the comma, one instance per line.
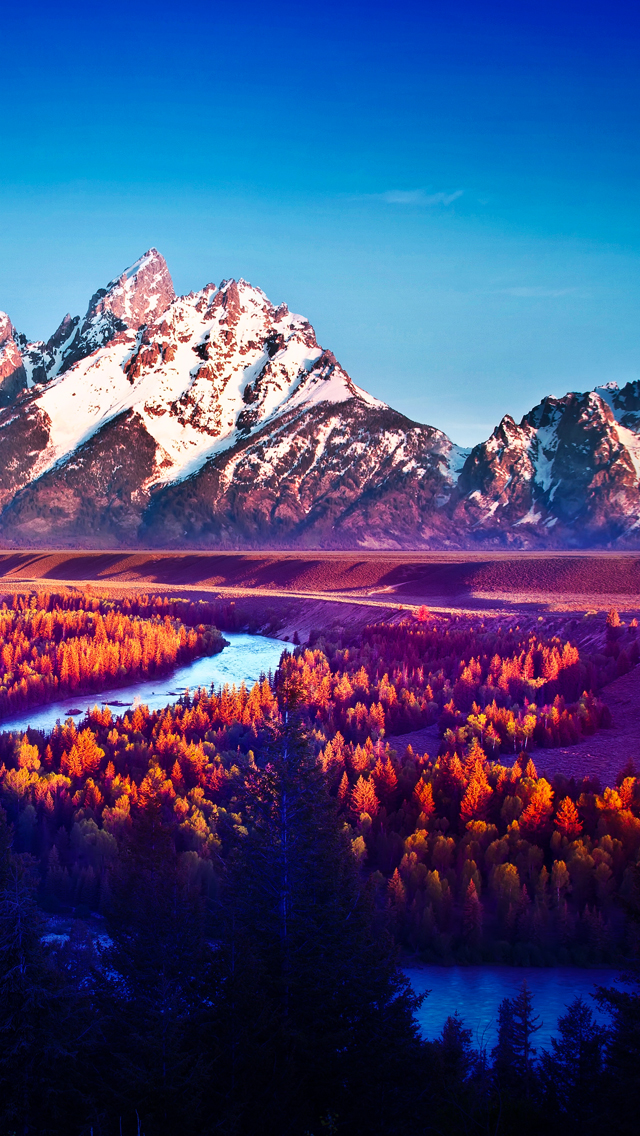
(472,581)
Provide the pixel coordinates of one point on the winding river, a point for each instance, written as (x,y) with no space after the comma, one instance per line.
(244,660)
(474,991)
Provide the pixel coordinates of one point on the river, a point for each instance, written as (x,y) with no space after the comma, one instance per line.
(244,660)
(476,992)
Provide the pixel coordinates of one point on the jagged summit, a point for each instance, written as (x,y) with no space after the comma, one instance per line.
(12,373)
(140,294)
(216,419)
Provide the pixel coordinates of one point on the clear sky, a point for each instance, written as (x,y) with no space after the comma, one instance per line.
(449,191)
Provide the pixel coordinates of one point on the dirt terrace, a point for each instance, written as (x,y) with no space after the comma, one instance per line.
(470,581)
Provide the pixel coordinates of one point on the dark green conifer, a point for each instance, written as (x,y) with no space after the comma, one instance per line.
(572,1072)
(151,993)
(336,1036)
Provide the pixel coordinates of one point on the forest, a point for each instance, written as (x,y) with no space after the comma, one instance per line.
(58,645)
(261,861)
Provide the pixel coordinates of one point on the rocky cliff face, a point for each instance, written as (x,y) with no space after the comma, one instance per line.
(12,373)
(566,476)
(216,420)
(141,294)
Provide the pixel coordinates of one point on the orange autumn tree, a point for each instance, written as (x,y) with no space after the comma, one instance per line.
(56,645)
(424,795)
(363,798)
(537,814)
(567,820)
(476,799)
(84,756)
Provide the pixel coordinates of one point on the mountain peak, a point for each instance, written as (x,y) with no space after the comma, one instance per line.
(12,375)
(139,295)
(6,328)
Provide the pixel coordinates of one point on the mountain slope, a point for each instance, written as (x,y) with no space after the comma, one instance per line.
(566,476)
(216,420)
(346,475)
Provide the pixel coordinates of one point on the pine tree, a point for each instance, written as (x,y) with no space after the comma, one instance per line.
(573,1071)
(514,1054)
(336,1035)
(504,1052)
(457,1074)
(153,991)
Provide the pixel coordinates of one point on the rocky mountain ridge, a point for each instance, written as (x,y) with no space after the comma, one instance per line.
(216,420)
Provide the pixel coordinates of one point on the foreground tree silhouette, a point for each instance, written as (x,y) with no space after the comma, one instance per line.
(572,1072)
(623,1048)
(514,1071)
(41,1020)
(152,990)
(460,1084)
(334,1042)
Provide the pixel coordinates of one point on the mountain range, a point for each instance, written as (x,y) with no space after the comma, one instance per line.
(215,420)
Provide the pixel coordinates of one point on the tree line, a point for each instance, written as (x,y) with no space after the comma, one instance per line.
(53,646)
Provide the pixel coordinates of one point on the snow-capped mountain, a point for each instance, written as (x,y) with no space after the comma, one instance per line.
(567,475)
(216,420)
(208,418)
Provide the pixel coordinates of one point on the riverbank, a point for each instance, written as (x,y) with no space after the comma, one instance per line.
(243,659)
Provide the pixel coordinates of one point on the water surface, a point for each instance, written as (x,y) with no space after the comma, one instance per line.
(244,660)
(476,992)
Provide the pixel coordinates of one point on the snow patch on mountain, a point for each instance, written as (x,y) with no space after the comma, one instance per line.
(456,458)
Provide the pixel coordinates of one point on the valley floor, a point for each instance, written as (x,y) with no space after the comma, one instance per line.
(289,593)
(473,581)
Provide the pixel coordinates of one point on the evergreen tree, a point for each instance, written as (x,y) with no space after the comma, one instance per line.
(154,990)
(622,1073)
(335,1042)
(572,1073)
(504,1052)
(514,1073)
(524,1025)
(41,1022)
(459,1082)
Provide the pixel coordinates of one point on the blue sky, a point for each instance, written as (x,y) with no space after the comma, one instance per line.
(448,191)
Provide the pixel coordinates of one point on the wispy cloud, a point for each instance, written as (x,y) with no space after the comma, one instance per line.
(535,292)
(418,197)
